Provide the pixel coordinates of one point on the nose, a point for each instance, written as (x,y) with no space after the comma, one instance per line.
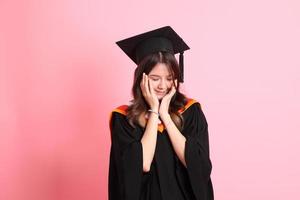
(162,84)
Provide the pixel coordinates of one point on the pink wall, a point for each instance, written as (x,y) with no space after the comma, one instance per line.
(61,74)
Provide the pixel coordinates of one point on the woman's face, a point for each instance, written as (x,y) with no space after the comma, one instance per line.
(161,79)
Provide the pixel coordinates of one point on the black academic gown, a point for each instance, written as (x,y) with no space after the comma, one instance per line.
(168,178)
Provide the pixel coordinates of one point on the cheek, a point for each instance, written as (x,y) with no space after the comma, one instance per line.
(170,84)
(154,84)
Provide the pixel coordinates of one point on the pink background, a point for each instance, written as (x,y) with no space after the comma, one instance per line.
(61,74)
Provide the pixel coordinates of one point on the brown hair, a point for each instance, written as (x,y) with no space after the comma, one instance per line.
(138,104)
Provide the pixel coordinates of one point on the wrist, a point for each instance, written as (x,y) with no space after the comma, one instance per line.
(165,116)
(153,111)
(154,108)
(167,120)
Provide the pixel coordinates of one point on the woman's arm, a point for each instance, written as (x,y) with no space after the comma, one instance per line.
(149,138)
(176,137)
(149,141)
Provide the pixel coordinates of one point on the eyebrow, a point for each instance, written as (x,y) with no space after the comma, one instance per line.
(154,75)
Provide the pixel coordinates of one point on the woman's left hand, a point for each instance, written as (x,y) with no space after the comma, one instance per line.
(165,102)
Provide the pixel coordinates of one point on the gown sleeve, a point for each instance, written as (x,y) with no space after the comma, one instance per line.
(126,161)
(197,158)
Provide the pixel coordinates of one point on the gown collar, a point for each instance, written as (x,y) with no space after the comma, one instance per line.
(123,110)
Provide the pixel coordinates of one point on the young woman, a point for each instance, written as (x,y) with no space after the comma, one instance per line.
(160,144)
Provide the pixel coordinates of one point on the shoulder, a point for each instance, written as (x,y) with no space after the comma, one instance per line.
(122,109)
(193,111)
(118,113)
(120,125)
(191,104)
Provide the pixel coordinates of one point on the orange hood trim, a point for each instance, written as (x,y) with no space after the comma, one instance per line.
(123,110)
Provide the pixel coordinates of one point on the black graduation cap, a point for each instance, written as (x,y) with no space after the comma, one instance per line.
(161,39)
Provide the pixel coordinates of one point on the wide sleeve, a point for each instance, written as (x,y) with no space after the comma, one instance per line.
(197,157)
(126,161)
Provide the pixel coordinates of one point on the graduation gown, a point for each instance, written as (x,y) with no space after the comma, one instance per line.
(168,178)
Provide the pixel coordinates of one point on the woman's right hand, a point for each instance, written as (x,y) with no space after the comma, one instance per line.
(148,93)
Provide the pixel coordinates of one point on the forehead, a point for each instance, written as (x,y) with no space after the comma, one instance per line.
(161,69)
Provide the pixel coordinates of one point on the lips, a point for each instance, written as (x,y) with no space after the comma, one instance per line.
(161,93)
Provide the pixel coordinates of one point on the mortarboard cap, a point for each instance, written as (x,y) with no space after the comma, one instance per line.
(162,39)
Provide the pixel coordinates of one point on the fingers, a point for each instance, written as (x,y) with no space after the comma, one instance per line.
(175,87)
(172,91)
(151,88)
(142,85)
(145,85)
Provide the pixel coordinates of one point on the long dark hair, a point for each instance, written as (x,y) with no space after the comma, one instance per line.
(139,105)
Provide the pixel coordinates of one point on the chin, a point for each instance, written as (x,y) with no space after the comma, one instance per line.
(160,97)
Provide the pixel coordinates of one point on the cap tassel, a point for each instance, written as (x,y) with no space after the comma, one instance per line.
(181,66)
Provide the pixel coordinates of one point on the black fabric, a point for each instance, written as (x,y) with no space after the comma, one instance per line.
(152,45)
(168,178)
(181,66)
(138,46)
(163,39)
(197,158)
